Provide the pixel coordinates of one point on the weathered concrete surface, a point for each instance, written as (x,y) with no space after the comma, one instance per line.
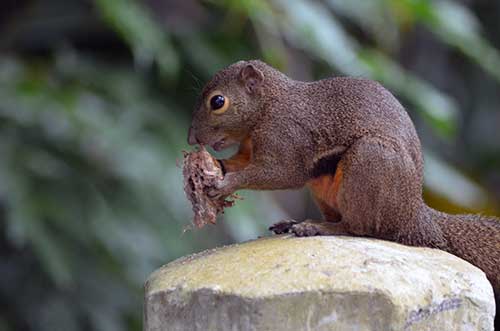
(319,283)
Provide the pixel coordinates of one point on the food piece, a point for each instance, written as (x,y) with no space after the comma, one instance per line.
(201,173)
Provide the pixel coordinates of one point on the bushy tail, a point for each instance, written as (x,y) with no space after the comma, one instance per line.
(476,239)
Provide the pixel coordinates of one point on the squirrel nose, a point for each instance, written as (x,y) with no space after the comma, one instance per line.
(192,137)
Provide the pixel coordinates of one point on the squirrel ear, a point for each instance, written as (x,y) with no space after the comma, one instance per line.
(252,78)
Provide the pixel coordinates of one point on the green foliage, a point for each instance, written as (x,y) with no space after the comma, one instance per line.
(148,41)
(91,196)
(84,173)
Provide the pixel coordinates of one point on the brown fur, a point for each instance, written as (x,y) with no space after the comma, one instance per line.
(352,143)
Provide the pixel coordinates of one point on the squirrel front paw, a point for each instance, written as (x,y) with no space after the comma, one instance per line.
(224,187)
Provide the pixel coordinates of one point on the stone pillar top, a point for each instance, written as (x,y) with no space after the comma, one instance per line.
(319,283)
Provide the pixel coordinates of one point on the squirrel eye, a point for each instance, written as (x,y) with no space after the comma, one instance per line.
(217,102)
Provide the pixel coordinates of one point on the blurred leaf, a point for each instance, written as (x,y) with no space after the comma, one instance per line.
(149,42)
(446,181)
(456,25)
(309,26)
(374,17)
(440,110)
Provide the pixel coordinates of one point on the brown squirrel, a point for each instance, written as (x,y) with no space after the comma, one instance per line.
(351,142)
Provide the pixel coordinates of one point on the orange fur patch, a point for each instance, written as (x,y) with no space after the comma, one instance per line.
(326,188)
(241,159)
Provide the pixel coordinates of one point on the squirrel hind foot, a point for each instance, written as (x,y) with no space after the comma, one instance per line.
(283,226)
(309,228)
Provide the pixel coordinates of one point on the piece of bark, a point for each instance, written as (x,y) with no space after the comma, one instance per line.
(201,173)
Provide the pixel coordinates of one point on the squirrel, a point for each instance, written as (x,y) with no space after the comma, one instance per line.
(347,139)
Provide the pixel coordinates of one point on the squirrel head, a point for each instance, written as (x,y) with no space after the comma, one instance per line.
(229,105)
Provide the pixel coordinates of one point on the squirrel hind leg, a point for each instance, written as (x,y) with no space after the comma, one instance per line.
(380,194)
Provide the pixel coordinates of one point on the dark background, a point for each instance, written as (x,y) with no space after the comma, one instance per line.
(95,101)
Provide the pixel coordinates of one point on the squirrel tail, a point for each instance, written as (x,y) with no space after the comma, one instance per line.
(476,239)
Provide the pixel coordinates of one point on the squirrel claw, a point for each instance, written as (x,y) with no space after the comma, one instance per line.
(216,194)
(223,188)
(283,226)
(213,194)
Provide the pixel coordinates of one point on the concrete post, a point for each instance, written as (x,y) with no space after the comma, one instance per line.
(319,283)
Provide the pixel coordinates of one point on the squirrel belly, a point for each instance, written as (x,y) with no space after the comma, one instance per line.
(325,190)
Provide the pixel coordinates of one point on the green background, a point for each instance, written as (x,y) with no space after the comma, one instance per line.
(95,102)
